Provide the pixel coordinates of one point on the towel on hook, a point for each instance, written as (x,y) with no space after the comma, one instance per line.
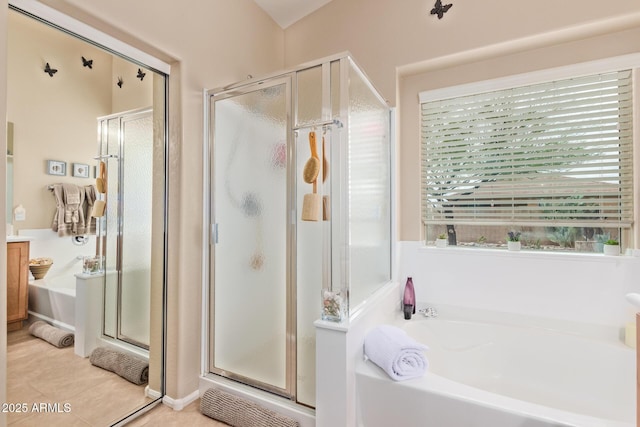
(73,207)
(72,197)
(399,355)
(90,196)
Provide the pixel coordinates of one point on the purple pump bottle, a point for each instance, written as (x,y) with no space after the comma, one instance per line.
(409,299)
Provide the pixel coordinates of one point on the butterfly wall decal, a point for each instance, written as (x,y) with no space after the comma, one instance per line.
(49,70)
(87,62)
(440,9)
(120,82)
(141,74)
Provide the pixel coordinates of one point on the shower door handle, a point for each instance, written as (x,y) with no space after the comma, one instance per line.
(214,234)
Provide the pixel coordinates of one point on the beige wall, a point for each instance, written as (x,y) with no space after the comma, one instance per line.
(210,44)
(405,50)
(383,35)
(134,93)
(64,129)
(217,42)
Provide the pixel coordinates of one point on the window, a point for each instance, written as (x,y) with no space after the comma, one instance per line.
(551,160)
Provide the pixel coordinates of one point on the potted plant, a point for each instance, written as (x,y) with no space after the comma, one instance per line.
(598,246)
(441,241)
(513,240)
(611,247)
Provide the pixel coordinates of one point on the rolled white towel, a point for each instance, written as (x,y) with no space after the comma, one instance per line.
(399,355)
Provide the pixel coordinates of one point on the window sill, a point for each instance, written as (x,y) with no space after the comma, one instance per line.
(524,253)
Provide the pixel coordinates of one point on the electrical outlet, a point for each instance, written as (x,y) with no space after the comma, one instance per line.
(19,214)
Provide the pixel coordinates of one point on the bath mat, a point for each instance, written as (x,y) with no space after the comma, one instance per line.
(51,334)
(239,412)
(129,367)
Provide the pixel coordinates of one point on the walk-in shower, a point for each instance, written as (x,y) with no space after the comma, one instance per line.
(125,231)
(299,218)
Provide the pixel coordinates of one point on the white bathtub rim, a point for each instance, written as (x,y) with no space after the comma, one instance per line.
(61,284)
(33,316)
(601,333)
(436,384)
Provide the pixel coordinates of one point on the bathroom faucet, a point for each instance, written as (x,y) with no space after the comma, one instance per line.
(428,312)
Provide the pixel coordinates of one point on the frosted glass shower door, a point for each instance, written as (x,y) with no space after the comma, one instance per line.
(250,216)
(136,201)
(127,150)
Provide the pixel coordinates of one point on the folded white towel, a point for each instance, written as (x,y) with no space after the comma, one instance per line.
(400,356)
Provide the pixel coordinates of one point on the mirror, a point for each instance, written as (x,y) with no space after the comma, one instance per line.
(9,196)
(60,90)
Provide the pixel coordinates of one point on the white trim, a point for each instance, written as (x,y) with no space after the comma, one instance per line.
(394,190)
(152,394)
(54,322)
(206,235)
(180,404)
(569,71)
(83,30)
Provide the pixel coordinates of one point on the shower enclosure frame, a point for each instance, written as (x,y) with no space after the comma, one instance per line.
(289,390)
(105,156)
(335,260)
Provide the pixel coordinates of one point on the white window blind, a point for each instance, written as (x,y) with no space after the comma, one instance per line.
(552,154)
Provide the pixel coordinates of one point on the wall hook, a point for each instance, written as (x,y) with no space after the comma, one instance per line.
(120,82)
(87,62)
(141,74)
(49,70)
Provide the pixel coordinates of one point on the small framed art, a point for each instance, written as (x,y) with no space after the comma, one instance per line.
(80,170)
(56,167)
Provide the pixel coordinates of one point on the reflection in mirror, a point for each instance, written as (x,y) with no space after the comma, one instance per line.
(9,196)
(105,287)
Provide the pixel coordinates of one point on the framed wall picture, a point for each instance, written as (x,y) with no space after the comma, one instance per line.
(80,170)
(56,167)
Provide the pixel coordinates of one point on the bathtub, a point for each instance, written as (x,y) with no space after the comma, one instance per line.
(52,299)
(503,370)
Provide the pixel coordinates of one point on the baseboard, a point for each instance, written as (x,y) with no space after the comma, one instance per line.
(180,404)
(153,394)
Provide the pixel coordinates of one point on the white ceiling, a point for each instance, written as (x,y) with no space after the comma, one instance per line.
(286,12)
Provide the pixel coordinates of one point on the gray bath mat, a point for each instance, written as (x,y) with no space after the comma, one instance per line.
(51,334)
(239,412)
(129,367)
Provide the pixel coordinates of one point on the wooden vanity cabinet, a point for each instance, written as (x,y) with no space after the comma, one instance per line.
(17,281)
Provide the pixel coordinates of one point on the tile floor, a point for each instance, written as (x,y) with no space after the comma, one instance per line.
(40,373)
(163,416)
